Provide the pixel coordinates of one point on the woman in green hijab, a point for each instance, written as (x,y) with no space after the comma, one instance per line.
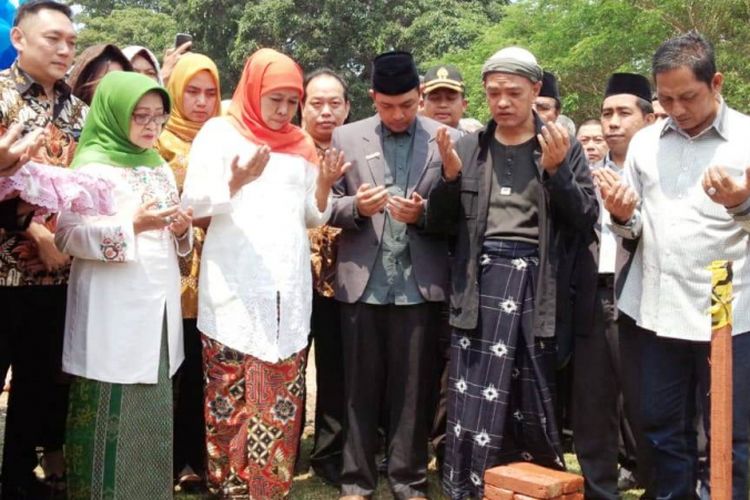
(123,331)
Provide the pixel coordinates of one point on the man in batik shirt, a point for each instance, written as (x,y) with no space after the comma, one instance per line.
(33,273)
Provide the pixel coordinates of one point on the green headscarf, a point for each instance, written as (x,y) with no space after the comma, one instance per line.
(107,128)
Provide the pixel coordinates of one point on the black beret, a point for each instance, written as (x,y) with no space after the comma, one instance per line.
(629,83)
(549,86)
(394,73)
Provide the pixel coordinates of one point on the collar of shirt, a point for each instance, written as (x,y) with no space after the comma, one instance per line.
(719,124)
(409,131)
(609,163)
(25,84)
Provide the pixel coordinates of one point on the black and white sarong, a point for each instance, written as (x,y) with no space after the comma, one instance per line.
(500,399)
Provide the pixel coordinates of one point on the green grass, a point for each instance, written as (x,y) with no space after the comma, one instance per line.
(310,487)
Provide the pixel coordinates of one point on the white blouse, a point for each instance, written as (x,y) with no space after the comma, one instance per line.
(121,283)
(255,287)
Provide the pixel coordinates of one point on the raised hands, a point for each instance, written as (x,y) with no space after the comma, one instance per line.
(148,218)
(244,173)
(332,167)
(619,199)
(370,200)
(451,162)
(15,150)
(406,210)
(724,189)
(555,143)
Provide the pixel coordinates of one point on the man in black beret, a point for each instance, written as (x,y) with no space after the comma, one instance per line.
(607,357)
(391,279)
(547,104)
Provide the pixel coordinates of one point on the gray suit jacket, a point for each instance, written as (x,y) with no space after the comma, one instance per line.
(360,239)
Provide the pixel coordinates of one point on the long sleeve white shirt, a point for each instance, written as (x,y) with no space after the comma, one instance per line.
(255,287)
(122,283)
(681,230)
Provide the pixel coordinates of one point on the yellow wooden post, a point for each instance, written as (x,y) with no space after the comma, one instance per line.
(721,380)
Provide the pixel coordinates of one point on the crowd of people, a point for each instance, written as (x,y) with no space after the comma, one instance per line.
(474,291)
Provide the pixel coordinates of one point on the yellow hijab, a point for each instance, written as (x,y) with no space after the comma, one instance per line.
(186,68)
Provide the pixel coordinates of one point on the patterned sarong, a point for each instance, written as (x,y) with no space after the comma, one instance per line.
(254,416)
(500,406)
(118,443)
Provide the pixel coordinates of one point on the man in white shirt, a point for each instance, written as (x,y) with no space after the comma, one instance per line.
(605,361)
(686,196)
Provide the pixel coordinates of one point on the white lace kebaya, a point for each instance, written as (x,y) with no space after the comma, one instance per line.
(255,285)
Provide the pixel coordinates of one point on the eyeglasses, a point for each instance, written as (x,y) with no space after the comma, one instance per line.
(145,118)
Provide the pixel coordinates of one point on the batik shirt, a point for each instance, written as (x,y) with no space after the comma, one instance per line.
(23,100)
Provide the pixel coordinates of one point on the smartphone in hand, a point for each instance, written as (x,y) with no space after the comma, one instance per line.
(181,39)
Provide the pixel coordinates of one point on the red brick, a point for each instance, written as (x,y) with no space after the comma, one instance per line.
(571,483)
(533,480)
(518,496)
(494,493)
(572,496)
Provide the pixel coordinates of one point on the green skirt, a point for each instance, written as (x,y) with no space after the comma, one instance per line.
(118,443)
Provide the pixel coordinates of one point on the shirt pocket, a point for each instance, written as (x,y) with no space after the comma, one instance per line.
(469,196)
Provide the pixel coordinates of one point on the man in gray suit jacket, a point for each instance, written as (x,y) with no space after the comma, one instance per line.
(390,279)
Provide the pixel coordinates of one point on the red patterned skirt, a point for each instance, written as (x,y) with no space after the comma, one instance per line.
(253,421)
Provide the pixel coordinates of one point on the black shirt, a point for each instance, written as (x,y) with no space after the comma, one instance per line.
(514,195)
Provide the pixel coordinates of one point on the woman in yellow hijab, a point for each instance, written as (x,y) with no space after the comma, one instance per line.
(194,89)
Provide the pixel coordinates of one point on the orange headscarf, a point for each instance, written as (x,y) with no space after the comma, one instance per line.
(265,71)
(187,67)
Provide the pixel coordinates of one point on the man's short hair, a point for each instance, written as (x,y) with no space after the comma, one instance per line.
(690,49)
(324,72)
(34,6)
(590,121)
(645,106)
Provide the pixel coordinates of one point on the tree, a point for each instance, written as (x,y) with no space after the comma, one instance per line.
(102,8)
(584,41)
(346,35)
(130,26)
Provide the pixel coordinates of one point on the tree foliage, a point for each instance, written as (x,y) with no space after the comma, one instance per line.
(129,26)
(584,41)
(344,35)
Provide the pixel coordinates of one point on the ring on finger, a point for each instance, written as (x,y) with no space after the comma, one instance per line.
(168,219)
(711,191)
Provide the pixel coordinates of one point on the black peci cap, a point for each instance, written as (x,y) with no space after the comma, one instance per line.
(394,73)
(629,83)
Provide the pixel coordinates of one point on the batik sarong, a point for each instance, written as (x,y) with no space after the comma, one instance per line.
(254,415)
(118,443)
(500,401)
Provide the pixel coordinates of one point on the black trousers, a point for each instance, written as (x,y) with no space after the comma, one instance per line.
(34,319)
(632,340)
(189,419)
(329,403)
(597,399)
(388,362)
(438,409)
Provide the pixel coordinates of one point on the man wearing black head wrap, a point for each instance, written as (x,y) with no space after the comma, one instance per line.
(519,198)
(390,279)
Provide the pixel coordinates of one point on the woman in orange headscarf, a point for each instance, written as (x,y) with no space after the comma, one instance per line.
(255,175)
(194,88)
